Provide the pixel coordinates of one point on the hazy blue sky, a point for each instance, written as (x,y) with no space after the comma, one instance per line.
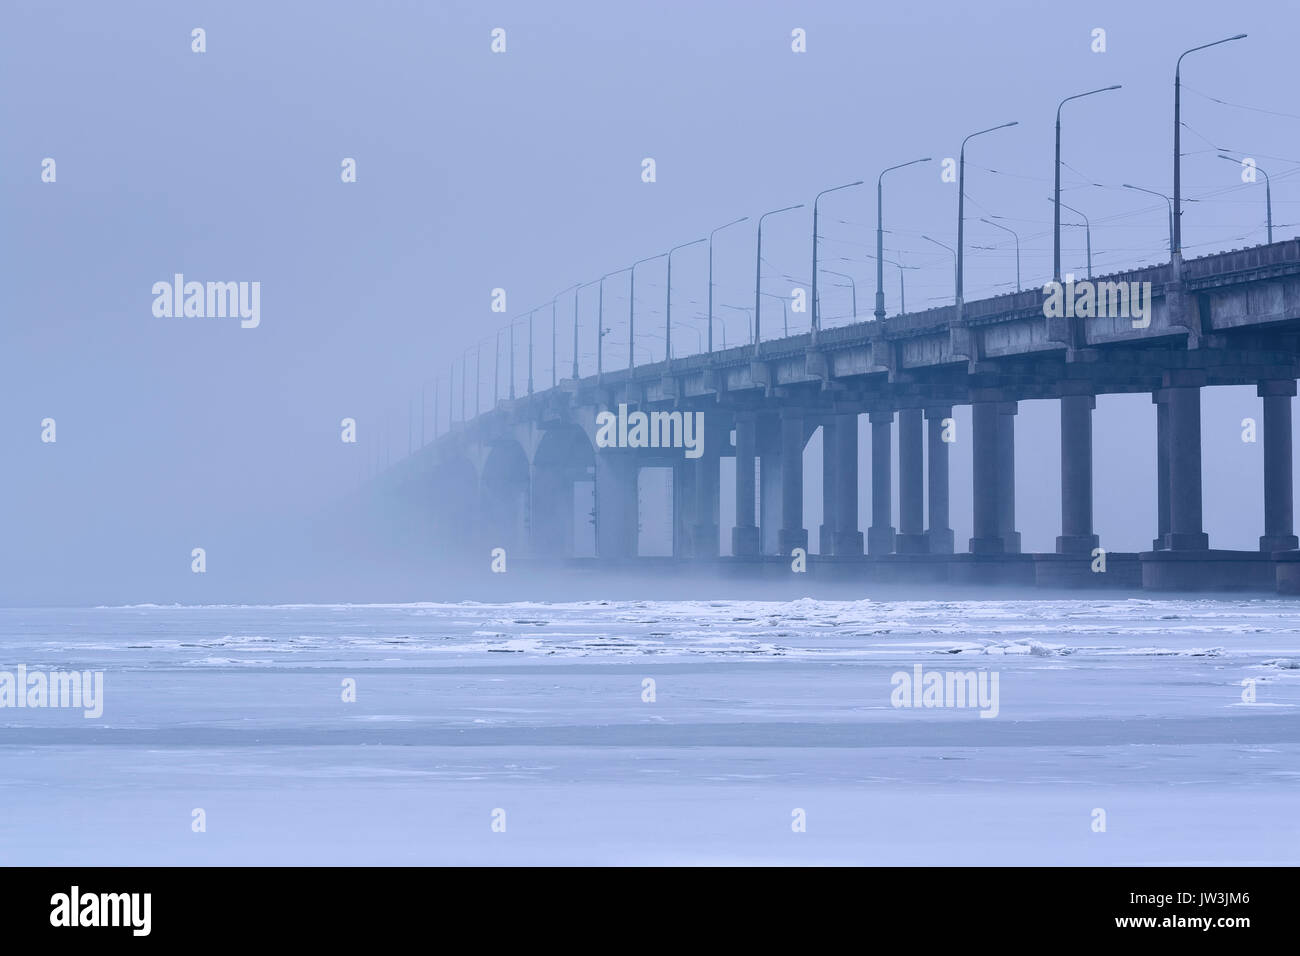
(522,170)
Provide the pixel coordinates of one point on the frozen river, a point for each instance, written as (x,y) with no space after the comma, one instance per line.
(659,732)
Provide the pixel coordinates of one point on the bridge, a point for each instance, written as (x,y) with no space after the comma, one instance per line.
(505,478)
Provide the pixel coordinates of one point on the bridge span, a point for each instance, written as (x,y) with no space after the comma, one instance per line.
(505,478)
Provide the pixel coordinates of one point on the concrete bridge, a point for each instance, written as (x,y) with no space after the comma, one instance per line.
(506,477)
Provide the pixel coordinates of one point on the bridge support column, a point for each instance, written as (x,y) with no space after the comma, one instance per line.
(744,536)
(1007,477)
(616,505)
(847,538)
(793,533)
(1183,388)
(552,510)
(830,499)
(939,535)
(1161,402)
(880,536)
(911,484)
(502,510)
(684,500)
(1076,474)
(1279,529)
(770,501)
(704,517)
(987,538)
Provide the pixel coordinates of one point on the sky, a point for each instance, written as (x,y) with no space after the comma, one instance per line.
(522,171)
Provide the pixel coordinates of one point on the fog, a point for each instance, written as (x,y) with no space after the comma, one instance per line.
(522,171)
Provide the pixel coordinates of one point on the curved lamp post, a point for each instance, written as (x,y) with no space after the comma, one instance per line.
(631,310)
(880,236)
(816,321)
(711,235)
(1268,192)
(961,196)
(1016,236)
(668,302)
(1056,218)
(955,260)
(1169,201)
(1178,163)
(756,333)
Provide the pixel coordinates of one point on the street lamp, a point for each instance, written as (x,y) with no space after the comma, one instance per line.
(575,312)
(711,235)
(451,395)
(816,323)
(1017,238)
(600,323)
(852,285)
(1177,254)
(902,285)
(496,383)
(1056,218)
(880,236)
(757,332)
(749,314)
(961,196)
(668,304)
(956,275)
(699,339)
(464,361)
(902,288)
(575,324)
(1268,192)
(631,310)
(1171,211)
(513,323)
(530,347)
(1087,226)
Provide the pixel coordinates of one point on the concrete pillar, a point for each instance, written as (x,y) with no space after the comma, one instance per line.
(1279,529)
(616,505)
(684,474)
(770,502)
(1007,477)
(939,534)
(1076,535)
(501,505)
(830,466)
(793,533)
(911,484)
(705,518)
(744,536)
(1183,386)
(552,526)
(987,537)
(1162,470)
(848,539)
(880,536)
